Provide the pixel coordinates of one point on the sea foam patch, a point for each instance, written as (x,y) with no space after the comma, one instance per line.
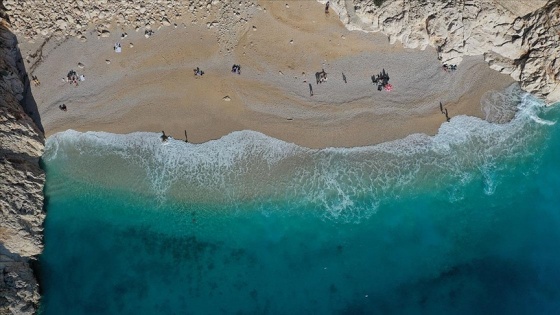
(341,183)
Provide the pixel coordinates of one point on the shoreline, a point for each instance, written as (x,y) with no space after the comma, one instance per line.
(151,87)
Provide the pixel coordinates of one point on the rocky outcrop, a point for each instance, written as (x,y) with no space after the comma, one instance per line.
(39,19)
(516,37)
(21,186)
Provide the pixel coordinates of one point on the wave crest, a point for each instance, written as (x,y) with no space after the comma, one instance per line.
(345,184)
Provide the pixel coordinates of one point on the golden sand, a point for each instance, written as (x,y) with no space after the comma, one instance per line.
(151,86)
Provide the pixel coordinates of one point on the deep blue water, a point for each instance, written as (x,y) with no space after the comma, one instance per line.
(466,222)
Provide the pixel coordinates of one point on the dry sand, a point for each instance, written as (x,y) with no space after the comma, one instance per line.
(151,87)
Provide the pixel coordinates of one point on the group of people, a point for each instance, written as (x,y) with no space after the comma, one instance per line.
(444,111)
(117,47)
(449,68)
(321,76)
(382,81)
(72,77)
(236,69)
(36,81)
(198,72)
(148,33)
(63,107)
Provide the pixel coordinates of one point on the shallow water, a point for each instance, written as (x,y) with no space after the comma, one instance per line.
(464,222)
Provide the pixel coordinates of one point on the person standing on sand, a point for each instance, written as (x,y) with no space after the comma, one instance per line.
(327,7)
(310,89)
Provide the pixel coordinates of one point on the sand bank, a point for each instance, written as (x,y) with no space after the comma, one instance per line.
(151,87)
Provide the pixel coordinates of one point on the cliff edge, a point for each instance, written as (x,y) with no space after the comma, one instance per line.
(21,185)
(518,38)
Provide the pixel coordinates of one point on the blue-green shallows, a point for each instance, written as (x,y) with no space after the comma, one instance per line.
(465,222)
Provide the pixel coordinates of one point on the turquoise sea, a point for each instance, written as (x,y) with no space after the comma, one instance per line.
(464,222)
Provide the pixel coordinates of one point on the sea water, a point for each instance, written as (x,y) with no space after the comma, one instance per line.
(464,222)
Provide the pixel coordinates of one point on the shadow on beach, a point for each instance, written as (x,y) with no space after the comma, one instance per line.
(27,102)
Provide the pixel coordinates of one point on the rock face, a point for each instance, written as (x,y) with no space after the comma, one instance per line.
(516,37)
(21,186)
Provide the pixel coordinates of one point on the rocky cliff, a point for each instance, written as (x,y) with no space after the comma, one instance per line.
(21,185)
(40,19)
(516,37)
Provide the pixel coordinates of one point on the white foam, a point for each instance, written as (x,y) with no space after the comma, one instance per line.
(345,184)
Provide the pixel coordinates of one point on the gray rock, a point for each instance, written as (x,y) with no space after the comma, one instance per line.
(21,189)
(502,30)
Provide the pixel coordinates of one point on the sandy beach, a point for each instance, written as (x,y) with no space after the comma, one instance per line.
(151,86)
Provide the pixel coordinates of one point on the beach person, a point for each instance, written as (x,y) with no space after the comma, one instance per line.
(163,136)
(441,107)
(321,76)
(327,7)
(117,47)
(344,77)
(82,77)
(74,78)
(62,107)
(447,115)
(310,89)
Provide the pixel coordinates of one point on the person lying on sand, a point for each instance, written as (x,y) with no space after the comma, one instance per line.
(198,72)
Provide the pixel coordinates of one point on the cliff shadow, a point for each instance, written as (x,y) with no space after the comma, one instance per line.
(9,43)
(28,102)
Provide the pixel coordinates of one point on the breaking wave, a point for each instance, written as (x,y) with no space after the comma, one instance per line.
(344,184)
